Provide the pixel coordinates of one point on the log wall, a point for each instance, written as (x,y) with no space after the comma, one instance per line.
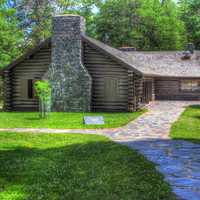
(170,89)
(114,87)
(103,70)
(16,79)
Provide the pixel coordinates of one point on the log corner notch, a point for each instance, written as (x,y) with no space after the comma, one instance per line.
(7,93)
(135,91)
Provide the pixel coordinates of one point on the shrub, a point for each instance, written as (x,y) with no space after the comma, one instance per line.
(43,92)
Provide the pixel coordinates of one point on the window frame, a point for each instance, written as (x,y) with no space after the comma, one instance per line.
(191,81)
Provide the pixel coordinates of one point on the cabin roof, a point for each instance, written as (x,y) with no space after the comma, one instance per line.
(149,63)
(156,63)
(166,63)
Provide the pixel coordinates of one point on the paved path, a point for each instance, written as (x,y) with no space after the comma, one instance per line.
(179,161)
(154,124)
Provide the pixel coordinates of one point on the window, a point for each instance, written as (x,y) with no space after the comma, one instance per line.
(27,88)
(190,85)
(30,89)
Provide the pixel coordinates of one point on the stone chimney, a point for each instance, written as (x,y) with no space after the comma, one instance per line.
(70,80)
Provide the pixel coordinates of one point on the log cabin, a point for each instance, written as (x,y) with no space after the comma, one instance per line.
(88,75)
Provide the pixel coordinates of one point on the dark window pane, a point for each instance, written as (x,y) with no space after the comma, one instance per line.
(30,88)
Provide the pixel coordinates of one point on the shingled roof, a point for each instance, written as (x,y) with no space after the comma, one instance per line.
(166,63)
(157,63)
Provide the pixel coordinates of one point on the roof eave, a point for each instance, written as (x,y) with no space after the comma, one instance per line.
(24,56)
(167,76)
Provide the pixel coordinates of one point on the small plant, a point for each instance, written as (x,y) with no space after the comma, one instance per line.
(43,92)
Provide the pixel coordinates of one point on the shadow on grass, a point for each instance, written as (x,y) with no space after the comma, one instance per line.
(194,106)
(33,118)
(179,160)
(193,140)
(88,171)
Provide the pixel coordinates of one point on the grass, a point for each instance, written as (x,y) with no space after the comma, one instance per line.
(63,120)
(188,125)
(83,167)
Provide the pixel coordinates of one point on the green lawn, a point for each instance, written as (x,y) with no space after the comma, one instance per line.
(63,120)
(188,125)
(82,167)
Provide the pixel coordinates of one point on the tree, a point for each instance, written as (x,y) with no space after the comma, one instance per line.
(189,13)
(160,27)
(11,37)
(145,24)
(35,19)
(116,22)
(173,29)
(36,16)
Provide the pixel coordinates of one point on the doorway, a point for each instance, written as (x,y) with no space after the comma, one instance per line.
(147,91)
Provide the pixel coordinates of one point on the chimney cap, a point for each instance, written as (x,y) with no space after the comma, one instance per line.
(186,55)
(68,15)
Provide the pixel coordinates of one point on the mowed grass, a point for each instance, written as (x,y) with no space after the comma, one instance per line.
(63,120)
(188,125)
(82,167)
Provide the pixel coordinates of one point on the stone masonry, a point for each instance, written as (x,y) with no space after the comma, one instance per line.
(70,80)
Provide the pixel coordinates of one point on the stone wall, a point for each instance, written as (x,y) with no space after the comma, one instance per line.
(70,80)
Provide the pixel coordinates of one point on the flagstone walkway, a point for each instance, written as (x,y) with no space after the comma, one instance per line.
(178,161)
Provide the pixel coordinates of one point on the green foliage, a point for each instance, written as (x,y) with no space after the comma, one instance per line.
(116,22)
(189,14)
(11,38)
(145,24)
(68,166)
(161,28)
(43,92)
(35,19)
(37,16)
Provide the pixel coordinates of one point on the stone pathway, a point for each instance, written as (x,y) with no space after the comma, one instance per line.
(178,161)
(154,124)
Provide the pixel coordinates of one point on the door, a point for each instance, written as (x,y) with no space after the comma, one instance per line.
(147,91)
(111,89)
